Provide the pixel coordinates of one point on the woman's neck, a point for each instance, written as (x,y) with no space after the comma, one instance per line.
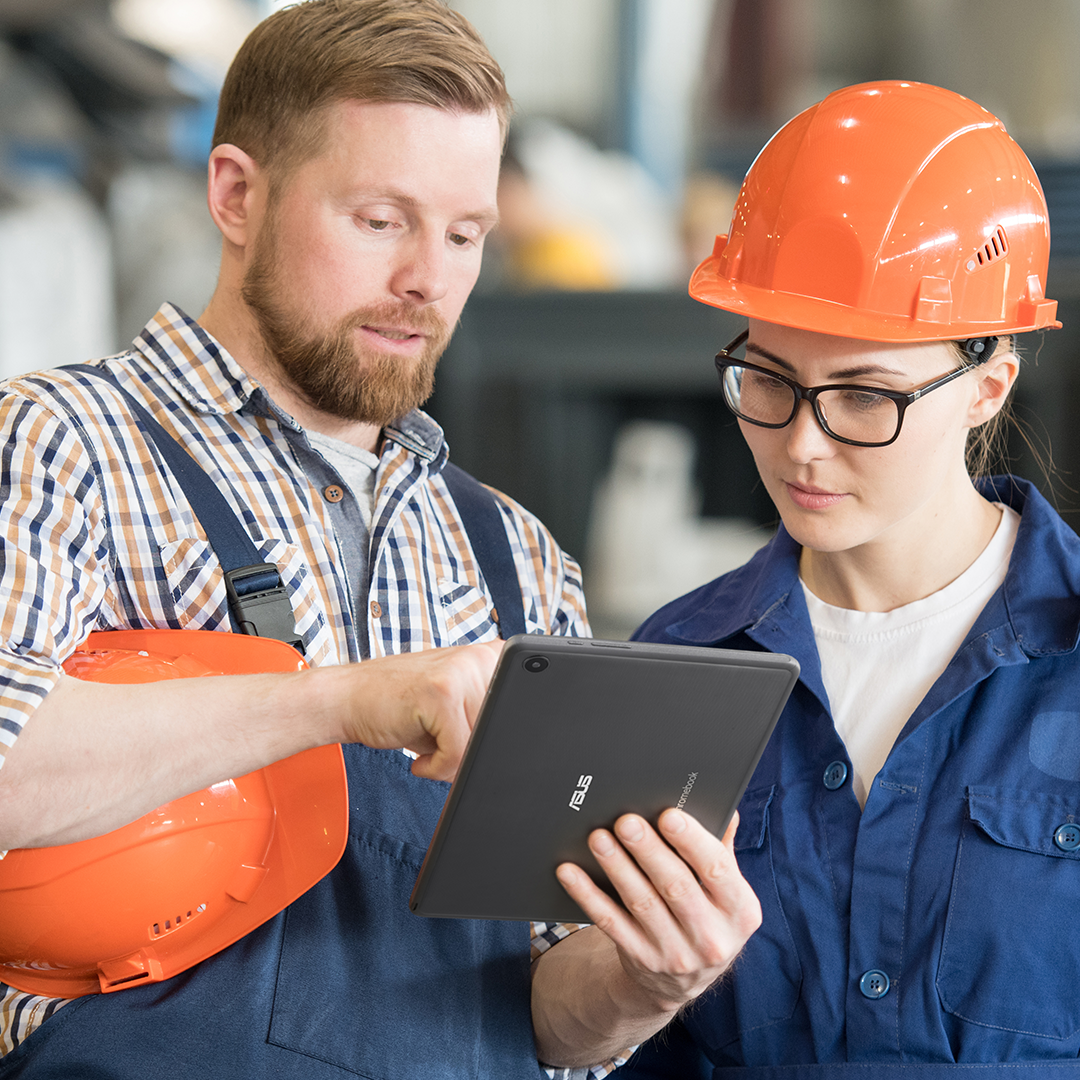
(905,565)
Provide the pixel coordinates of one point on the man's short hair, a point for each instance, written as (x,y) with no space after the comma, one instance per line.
(308,56)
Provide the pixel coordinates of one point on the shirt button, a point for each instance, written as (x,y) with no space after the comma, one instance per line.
(874,984)
(333,493)
(835,775)
(1067,837)
(376,608)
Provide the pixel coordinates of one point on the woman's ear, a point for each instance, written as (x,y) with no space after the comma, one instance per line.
(233,190)
(996,378)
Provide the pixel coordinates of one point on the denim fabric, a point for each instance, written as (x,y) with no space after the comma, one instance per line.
(346,982)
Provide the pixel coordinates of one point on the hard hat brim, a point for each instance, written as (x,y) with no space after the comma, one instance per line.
(709,285)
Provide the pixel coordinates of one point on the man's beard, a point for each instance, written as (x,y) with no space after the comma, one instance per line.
(337,374)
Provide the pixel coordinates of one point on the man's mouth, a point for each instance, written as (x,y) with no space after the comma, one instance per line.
(392,335)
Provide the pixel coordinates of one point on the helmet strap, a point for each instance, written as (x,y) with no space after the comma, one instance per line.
(978,350)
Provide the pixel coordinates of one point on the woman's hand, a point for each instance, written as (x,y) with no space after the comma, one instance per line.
(687,910)
(686,913)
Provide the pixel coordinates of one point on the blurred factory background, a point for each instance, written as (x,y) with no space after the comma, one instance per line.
(580,381)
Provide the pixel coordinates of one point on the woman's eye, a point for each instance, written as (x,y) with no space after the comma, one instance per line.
(377,226)
(760,383)
(863,400)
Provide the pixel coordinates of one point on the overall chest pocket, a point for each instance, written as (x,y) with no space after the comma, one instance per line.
(1008,958)
(764,987)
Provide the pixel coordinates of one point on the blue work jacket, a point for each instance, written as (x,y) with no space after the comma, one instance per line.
(931,933)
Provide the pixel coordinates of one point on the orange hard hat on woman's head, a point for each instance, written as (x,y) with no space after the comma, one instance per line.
(890,211)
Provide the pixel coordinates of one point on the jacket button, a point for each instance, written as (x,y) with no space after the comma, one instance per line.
(874,984)
(376,608)
(1067,837)
(333,493)
(835,775)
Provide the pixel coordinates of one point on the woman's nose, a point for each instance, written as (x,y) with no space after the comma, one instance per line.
(806,438)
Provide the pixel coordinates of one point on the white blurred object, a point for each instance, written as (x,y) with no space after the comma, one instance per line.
(612,194)
(167,246)
(202,33)
(56,279)
(647,543)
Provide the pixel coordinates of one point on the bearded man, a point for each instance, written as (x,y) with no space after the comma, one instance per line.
(353,179)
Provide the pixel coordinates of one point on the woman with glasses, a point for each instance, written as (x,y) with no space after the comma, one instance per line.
(912,832)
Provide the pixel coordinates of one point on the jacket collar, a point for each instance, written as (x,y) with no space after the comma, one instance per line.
(1041,593)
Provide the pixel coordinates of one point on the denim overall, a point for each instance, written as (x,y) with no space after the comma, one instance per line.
(346,981)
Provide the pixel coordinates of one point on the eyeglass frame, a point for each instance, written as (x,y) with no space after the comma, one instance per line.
(977,349)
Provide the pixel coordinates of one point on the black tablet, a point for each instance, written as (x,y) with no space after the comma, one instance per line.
(576,731)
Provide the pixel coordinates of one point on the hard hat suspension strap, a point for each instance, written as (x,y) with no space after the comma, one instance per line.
(978,350)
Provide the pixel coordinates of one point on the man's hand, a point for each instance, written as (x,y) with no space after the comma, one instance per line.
(424,701)
(688,912)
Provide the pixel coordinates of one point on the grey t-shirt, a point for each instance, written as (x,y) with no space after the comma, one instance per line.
(356,468)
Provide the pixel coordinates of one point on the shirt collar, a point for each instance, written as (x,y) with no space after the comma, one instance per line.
(203,372)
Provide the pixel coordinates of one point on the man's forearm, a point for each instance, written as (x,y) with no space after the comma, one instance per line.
(95,756)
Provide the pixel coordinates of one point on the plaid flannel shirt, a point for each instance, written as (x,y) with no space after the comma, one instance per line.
(93,536)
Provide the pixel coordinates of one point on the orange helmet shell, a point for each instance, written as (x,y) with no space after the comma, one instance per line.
(890,211)
(149,900)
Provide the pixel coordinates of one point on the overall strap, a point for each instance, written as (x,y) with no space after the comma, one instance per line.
(258,602)
(487,534)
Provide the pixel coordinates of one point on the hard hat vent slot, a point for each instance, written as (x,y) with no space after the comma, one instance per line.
(997,247)
(167,926)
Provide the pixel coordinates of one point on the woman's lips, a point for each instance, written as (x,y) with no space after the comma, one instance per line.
(811,498)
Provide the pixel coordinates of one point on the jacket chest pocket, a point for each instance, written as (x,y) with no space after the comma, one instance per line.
(1008,960)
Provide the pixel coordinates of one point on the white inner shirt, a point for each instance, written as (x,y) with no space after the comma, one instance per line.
(878,665)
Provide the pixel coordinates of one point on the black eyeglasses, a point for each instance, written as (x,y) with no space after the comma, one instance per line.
(847,412)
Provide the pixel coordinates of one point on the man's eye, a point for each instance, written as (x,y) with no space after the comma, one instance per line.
(377,226)
(459,240)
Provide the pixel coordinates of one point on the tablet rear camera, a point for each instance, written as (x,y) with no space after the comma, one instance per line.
(535,663)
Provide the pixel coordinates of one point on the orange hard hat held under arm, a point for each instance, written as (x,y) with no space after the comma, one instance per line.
(149,900)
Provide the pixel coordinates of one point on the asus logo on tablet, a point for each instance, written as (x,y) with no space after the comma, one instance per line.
(579,795)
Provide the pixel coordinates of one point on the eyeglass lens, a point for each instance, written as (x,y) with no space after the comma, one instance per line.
(855,414)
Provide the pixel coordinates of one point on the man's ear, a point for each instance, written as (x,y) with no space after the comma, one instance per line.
(234,193)
(996,378)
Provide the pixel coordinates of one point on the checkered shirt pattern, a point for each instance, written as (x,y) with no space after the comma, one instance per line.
(94,535)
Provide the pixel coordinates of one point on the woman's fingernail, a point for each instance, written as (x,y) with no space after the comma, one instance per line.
(602,843)
(674,821)
(630,829)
